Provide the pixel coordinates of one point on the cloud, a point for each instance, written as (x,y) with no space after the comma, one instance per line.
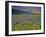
(29,9)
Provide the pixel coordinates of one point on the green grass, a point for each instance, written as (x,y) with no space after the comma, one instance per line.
(26,25)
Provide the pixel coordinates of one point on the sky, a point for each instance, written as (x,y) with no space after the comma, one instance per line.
(25,9)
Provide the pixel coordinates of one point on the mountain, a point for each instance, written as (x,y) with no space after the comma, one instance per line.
(25,10)
(17,11)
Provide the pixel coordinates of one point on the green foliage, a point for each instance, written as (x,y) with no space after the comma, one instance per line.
(18,26)
(25,26)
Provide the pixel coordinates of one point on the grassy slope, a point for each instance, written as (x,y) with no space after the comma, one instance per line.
(26,25)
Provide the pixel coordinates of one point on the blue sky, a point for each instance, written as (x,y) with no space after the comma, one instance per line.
(27,9)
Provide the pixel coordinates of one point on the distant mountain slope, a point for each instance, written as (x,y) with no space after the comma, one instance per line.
(26,10)
(17,11)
